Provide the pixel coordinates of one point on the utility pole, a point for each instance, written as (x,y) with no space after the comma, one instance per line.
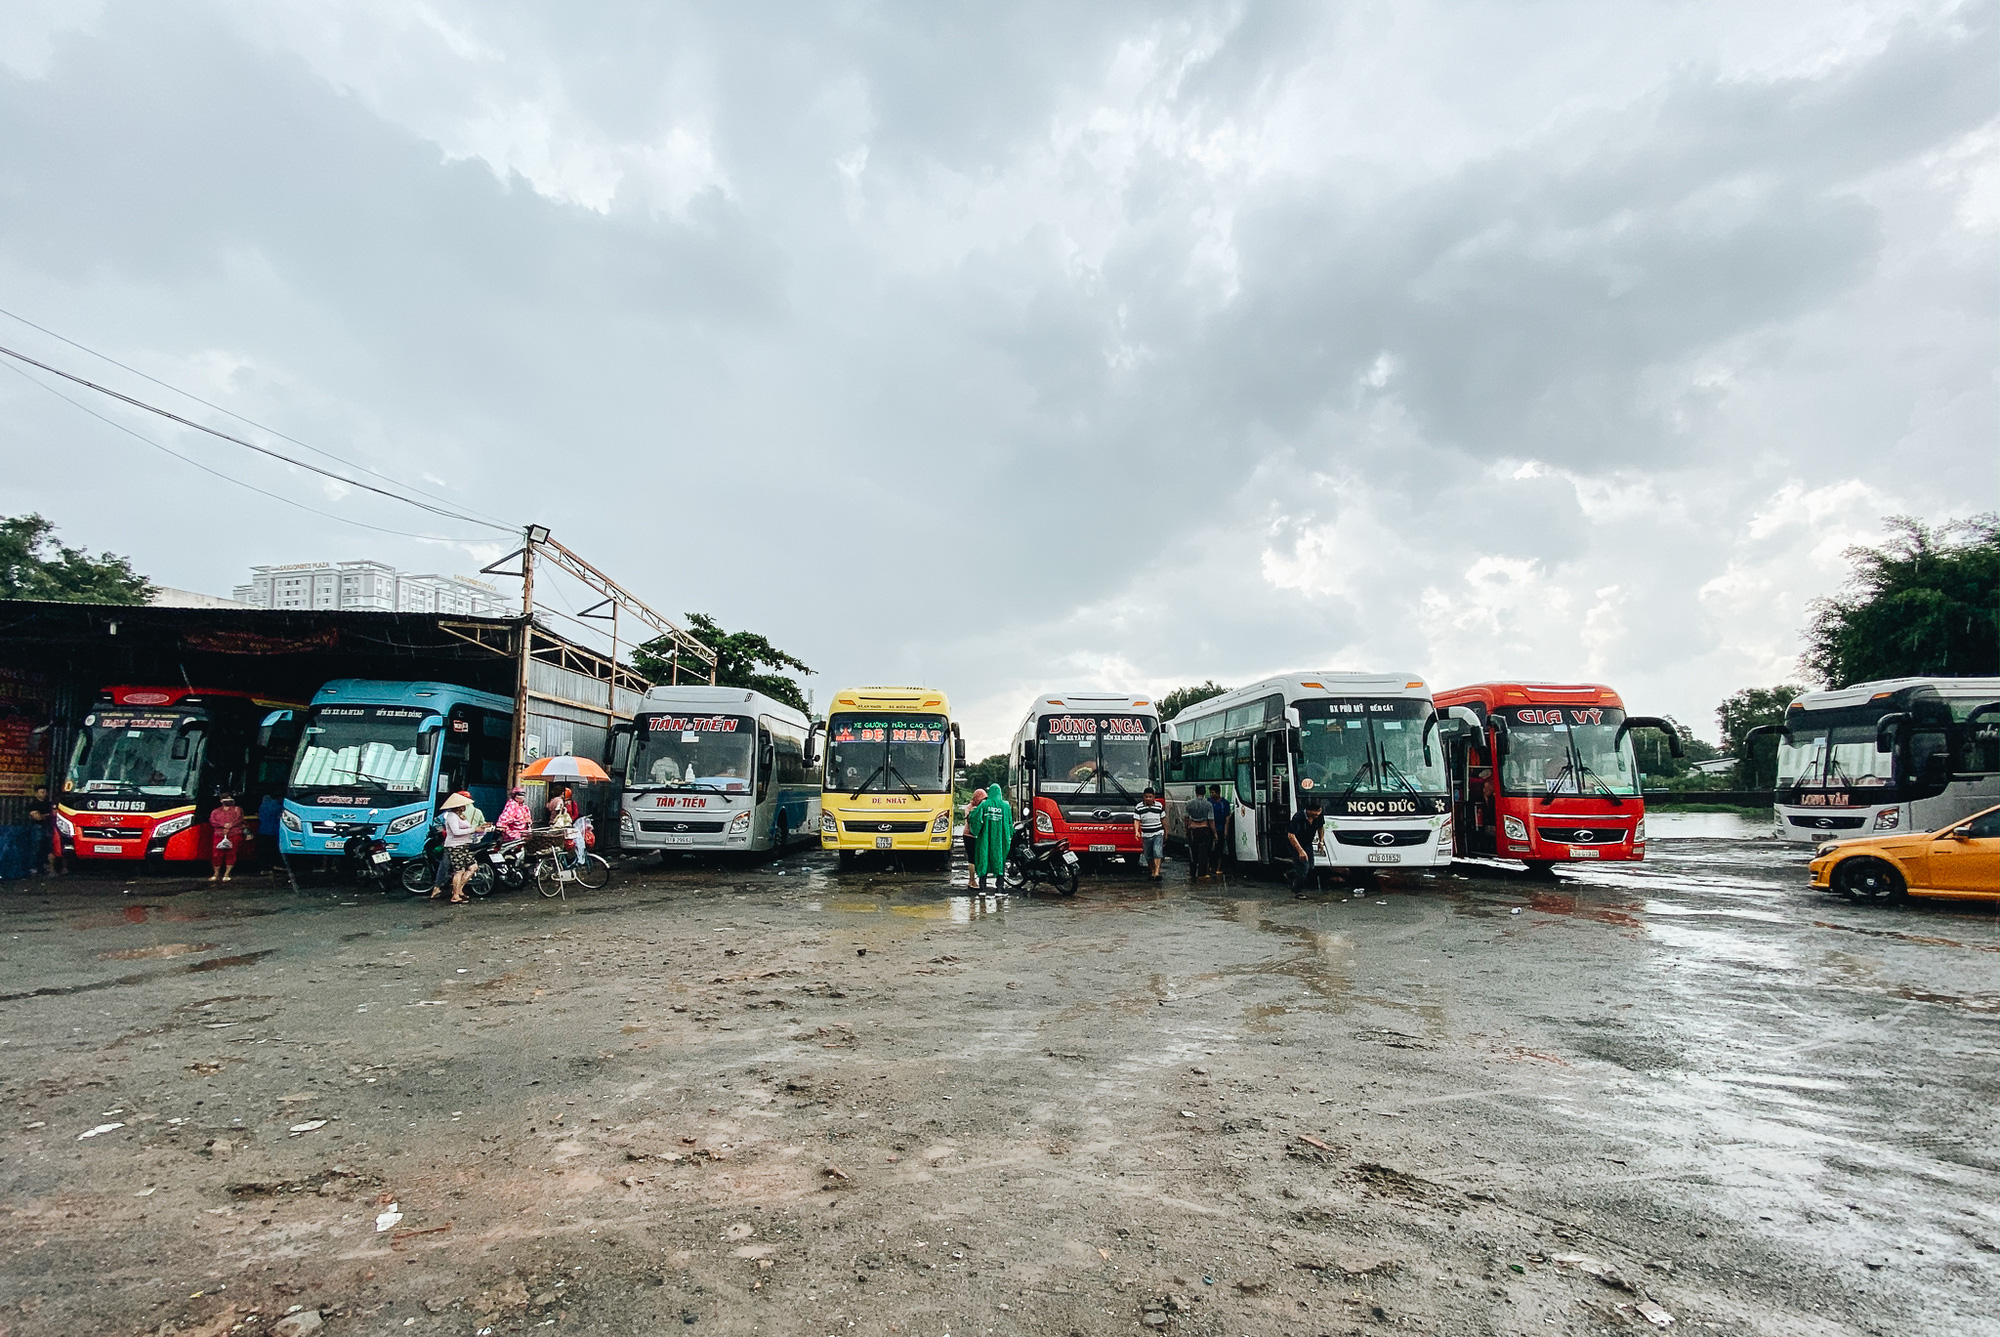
(524,652)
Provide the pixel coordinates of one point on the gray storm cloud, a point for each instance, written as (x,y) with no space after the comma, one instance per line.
(1043,344)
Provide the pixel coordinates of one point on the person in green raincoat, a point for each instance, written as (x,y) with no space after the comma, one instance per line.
(992,826)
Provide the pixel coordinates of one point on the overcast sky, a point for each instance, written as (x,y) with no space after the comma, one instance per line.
(1013,346)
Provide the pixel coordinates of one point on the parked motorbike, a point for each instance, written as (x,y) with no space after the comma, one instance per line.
(497,863)
(366,857)
(1033,861)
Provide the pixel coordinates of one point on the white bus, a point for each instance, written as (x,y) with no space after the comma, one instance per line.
(716,768)
(1366,743)
(1903,754)
(1079,763)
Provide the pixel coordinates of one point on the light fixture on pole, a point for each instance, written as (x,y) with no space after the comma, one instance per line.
(538,533)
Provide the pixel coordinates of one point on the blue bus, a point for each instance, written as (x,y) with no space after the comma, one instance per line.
(383,753)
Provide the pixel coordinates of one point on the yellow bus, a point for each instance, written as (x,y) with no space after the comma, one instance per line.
(891,754)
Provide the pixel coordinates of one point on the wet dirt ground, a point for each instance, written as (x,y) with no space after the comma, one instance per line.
(776,1099)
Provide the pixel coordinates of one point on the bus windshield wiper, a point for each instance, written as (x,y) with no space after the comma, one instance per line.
(1555,785)
(862,788)
(902,779)
(1617,800)
(1396,773)
(1367,768)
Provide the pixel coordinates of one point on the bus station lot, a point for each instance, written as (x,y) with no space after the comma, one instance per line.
(775,1099)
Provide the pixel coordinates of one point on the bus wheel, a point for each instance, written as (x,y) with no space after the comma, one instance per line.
(846,861)
(1541,869)
(781,838)
(1865,880)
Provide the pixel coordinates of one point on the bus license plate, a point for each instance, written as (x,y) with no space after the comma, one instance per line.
(1578,853)
(107,849)
(1385,858)
(680,840)
(884,842)
(1104,849)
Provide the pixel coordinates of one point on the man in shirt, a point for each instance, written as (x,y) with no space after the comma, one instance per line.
(1149,823)
(1307,828)
(1199,819)
(1219,817)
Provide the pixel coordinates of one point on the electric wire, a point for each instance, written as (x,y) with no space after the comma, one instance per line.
(261,450)
(274,496)
(165,385)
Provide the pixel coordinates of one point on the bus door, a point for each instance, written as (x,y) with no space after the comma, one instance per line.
(1251,792)
(1273,799)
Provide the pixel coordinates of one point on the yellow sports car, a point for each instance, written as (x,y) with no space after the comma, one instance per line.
(1962,859)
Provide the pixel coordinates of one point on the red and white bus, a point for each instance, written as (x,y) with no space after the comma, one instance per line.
(1544,772)
(150,761)
(1079,763)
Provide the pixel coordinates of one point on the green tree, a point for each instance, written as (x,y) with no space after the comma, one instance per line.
(985,772)
(1927,602)
(1743,711)
(1174,702)
(34,566)
(740,657)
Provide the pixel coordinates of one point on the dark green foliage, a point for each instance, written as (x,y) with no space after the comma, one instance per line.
(1174,702)
(1926,603)
(989,771)
(1744,711)
(34,566)
(1657,761)
(739,657)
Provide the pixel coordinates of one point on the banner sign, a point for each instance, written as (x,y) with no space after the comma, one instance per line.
(255,643)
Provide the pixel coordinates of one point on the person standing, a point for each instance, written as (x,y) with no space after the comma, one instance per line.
(972,841)
(995,835)
(270,813)
(225,837)
(42,813)
(1220,817)
(1149,823)
(1198,818)
(515,819)
(1308,827)
(458,833)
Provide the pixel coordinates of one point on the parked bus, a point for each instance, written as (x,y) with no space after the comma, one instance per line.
(150,761)
(383,753)
(1544,772)
(1080,761)
(1904,754)
(1365,743)
(891,756)
(717,768)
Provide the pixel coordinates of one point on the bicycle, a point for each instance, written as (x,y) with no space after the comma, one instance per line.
(555,869)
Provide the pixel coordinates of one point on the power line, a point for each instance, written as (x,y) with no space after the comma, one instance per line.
(227,478)
(231,412)
(261,450)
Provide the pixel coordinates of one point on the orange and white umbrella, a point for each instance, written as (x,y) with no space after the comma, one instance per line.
(579,770)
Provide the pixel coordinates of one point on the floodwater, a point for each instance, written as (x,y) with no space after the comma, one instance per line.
(1767,1109)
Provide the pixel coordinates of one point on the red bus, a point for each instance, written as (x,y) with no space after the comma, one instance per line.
(1079,763)
(1544,772)
(150,761)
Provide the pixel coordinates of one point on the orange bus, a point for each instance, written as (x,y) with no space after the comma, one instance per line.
(1544,772)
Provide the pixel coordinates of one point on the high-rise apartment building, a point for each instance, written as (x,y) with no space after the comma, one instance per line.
(366,586)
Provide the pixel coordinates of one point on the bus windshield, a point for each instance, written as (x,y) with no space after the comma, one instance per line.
(1098,755)
(133,752)
(364,750)
(712,752)
(1568,750)
(1833,749)
(1369,746)
(893,752)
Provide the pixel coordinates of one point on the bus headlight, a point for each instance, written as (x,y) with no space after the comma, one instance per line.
(827,825)
(941,823)
(739,824)
(1444,834)
(625,826)
(1639,832)
(63,825)
(173,826)
(1888,819)
(404,823)
(290,820)
(1515,828)
(1043,824)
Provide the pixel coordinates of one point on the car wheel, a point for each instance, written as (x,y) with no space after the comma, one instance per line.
(1868,880)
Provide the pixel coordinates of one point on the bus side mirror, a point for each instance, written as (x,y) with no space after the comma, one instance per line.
(427,734)
(1028,753)
(1887,728)
(957,750)
(1173,752)
(1498,723)
(182,735)
(1665,726)
(1293,718)
(810,756)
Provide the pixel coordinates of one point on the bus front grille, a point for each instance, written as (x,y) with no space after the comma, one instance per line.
(879,828)
(1827,822)
(683,828)
(1388,838)
(1582,835)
